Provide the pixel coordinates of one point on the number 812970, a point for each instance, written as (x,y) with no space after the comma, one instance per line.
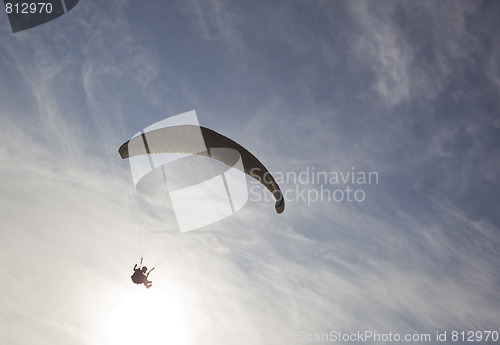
(29,8)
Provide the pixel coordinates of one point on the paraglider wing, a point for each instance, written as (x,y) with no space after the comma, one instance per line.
(185,139)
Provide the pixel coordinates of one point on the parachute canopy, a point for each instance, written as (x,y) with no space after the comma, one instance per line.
(186,139)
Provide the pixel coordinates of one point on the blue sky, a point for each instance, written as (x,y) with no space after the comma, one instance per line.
(409,90)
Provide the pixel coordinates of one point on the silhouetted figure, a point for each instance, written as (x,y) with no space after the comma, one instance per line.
(140,276)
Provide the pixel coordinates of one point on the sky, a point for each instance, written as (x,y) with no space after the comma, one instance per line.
(407,93)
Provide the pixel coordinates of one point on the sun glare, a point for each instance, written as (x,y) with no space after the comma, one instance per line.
(148,316)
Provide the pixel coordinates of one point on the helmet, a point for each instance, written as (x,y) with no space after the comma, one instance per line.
(144,269)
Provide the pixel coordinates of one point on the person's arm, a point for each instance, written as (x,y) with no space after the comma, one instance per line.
(147,275)
(135,266)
